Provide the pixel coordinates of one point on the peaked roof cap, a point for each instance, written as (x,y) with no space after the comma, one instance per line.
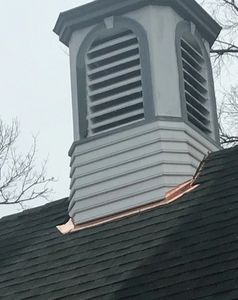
(96,11)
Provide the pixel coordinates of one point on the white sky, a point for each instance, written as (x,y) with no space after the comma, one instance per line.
(35,83)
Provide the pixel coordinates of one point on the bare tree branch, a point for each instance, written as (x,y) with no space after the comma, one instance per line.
(224,54)
(19,179)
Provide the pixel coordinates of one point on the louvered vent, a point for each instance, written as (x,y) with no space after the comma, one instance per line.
(114,85)
(195,85)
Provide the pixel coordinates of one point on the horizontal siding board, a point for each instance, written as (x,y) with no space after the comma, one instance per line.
(117,148)
(146,144)
(120,192)
(114,195)
(126,159)
(119,182)
(130,170)
(114,207)
(136,143)
(133,163)
(125,135)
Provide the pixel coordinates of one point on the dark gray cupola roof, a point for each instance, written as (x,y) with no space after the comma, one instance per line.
(94,12)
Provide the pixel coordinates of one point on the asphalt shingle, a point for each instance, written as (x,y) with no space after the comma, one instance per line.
(187,249)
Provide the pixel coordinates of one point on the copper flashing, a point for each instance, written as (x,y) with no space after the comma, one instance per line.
(170,196)
(67,227)
(180,190)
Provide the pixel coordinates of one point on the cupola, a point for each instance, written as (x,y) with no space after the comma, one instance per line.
(144,110)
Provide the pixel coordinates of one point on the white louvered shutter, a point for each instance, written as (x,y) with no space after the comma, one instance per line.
(114,85)
(195,85)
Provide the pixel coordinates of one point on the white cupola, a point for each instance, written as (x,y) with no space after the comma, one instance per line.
(144,109)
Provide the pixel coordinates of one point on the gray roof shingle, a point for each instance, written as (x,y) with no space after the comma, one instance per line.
(187,249)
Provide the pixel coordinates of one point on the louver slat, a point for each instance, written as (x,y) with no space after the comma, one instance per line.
(192,50)
(197,113)
(117,118)
(114,75)
(194,91)
(192,60)
(114,86)
(104,57)
(114,83)
(197,122)
(114,64)
(116,97)
(194,82)
(195,86)
(112,43)
(189,68)
(197,104)
(115,108)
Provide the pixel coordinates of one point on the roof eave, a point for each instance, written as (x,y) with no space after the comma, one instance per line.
(92,13)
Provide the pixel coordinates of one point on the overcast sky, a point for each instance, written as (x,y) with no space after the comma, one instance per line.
(35,83)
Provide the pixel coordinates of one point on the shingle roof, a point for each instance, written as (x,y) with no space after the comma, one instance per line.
(187,249)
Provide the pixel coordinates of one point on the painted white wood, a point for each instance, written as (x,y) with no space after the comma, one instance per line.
(138,165)
(117,118)
(123,136)
(200,105)
(115,108)
(111,54)
(201,116)
(168,138)
(198,73)
(200,96)
(114,86)
(126,174)
(114,74)
(115,97)
(112,42)
(135,164)
(197,121)
(200,86)
(193,50)
(111,65)
(112,208)
(191,57)
(115,164)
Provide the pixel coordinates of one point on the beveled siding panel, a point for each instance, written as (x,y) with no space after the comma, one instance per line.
(143,162)
(133,200)
(114,182)
(133,167)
